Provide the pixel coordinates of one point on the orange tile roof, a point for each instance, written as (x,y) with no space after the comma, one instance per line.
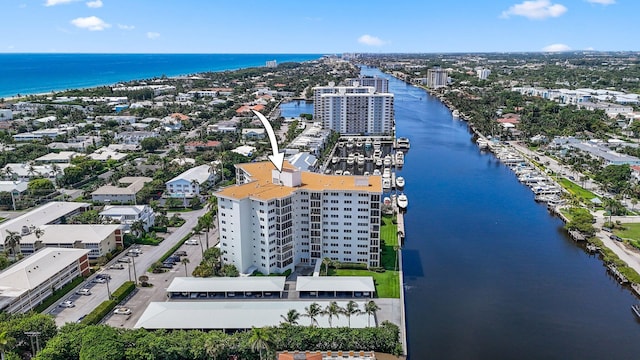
(263,188)
(178,116)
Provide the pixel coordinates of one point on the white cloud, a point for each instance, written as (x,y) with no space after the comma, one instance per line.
(535,9)
(602,2)
(57,2)
(556,48)
(126,27)
(94,4)
(90,23)
(153,35)
(371,40)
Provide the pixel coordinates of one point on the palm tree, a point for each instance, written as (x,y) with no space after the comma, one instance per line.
(206,222)
(292,317)
(12,241)
(312,312)
(371,308)
(351,309)
(332,310)
(6,342)
(184,262)
(259,340)
(38,232)
(137,227)
(326,262)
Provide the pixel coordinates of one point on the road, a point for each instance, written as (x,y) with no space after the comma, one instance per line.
(151,254)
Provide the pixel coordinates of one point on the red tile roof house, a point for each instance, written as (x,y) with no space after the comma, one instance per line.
(246,109)
(194,146)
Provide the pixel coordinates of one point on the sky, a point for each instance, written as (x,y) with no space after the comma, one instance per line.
(317,27)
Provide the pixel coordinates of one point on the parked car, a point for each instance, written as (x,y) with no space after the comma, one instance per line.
(167,266)
(67,304)
(606,229)
(615,237)
(99,280)
(124,260)
(105,276)
(84,291)
(173,259)
(117,266)
(135,250)
(180,253)
(191,242)
(122,311)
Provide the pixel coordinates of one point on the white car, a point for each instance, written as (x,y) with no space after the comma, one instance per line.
(117,266)
(122,311)
(84,291)
(99,280)
(191,242)
(67,304)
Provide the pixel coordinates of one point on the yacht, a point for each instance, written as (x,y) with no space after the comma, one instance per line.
(360,160)
(367,144)
(379,162)
(359,143)
(335,160)
(350,144)
(387,200)
(377,154)
(482,143)
(386,183)
(366,173)
(456,113)
(338,172)
(387,160)
(399,158)
(350,159)
(377,144)
(403,201)
(403,143)
(376,172)
(327,172)
(346,172)
(399,182)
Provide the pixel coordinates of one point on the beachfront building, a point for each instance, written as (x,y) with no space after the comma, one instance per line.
(353,109)
(381,84)
(28,282)
(437,77)
(128,215)
(97,238)
(272,221)
(121,194)
(189,183)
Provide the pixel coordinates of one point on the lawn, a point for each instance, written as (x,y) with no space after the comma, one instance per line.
(389,231)
(577,190)
(387,283)
(631,232)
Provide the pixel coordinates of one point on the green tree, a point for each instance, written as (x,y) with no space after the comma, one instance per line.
(6,343)
(12,241)
(312,312)
(332,310)
(260,340)
(151,144)
(101,342)
(351,309)
(206,222)
(292,317)
(326,262)
(40,187)
(185,261)
(371,308)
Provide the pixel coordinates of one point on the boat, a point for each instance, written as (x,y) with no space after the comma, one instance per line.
(359,143)
(366,173)
(327,172)
(335,159)
(377,144)
(367,144)
(387,200)
(403,201)
(403,143)
(376,172)
(346,172)
(377,154)
(387,160)
(350,159)
(360,160)
(399,182)
(350,144)
(456,113)
(482,143)
(386,183)
(399,158)
(379,162)
(338,172)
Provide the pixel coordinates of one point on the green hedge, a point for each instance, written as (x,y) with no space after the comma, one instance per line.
(174,248)
(58,294)
(103,309)
(349,265)
(159,229)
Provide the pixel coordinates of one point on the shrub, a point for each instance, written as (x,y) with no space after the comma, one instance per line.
(58,294)
(350,265)
(99,312)
(123,291)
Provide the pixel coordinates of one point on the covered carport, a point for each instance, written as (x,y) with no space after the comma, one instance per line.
(335,286)
(226,287)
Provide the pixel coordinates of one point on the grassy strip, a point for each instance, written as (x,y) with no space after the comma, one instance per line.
(387,283)
(58,294)
(173,249)
(105,307)
(389,231)
(577,190)
(608,256)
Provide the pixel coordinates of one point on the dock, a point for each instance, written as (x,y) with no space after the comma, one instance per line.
(617,274)
(403,325)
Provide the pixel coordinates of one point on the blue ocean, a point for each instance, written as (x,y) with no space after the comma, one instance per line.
(38,73)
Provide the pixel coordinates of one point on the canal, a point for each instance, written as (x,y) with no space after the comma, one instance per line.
(489,273)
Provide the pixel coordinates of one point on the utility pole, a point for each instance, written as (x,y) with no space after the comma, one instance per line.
(135,277)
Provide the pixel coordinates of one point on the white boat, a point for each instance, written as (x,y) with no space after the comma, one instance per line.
(335,159)
(360,160)
(387,200)
(482,143)
(359,143)
(386,183)
(386,173)
(387,160)
(338,172)
(346,172)
(403,143)
(376,172)
(366,173)
(377,154)
(403,201)
(399,158)
(327,172)
(379,162)
(456,113)
(377,144)
(400,182)
(351,159)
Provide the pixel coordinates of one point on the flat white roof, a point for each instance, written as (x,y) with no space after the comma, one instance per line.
(61,156)
(41,215)
(335,283)
(33,270)
(13,186)
(228,284)
(119,210)
(199,173)
(236,314)
(69,234)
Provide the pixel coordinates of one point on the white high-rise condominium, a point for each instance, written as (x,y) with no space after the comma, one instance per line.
(381,84)
(272,221)
(437,77)
(354,109)
(483,74)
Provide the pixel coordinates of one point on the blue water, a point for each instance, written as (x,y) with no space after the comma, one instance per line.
(489,273)
(295,108)
(38,73)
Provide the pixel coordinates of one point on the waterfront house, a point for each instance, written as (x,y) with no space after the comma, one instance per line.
(189,183)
